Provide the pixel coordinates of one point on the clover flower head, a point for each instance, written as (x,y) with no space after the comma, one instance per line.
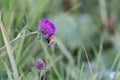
(40,63)
(47,27)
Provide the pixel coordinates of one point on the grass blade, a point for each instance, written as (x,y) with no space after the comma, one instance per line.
(8,71)
(9,50)
(65,51)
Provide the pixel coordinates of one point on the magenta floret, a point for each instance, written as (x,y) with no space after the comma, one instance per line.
(47,27)
(40,63)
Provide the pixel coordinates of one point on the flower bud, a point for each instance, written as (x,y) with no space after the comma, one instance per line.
(40,63)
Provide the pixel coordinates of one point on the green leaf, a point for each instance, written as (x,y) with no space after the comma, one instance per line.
(24,21)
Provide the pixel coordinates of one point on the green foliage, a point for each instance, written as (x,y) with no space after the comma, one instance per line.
(79,30)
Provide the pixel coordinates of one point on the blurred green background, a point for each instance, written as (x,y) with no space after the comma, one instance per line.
(83,27)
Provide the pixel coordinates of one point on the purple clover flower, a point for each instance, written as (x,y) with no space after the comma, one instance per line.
(40,63)
(46,27)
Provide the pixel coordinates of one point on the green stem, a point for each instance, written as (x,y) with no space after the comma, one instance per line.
(50,59)
(103,11)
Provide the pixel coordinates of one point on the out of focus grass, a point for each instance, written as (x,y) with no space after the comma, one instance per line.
(81,29)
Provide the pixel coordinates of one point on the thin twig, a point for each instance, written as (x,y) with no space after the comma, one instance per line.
(87,58)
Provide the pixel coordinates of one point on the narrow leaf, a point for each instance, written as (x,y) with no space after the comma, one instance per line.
(9,49)
(8,71)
